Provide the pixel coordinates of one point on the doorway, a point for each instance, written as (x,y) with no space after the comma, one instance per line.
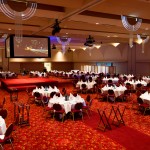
(47,66)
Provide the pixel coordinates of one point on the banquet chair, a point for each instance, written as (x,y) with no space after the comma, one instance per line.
(95,88)
(57,94)
(31,98)
(38,98)
(52,94)
(75,94)
(125,96)
(57,109)
(77,109)
(99,94)
(3,103)
(47,111)
(111,96)
(75,88)
(110,82)
(14,94)
(45,100)
(128,86)
(138,89)
(63,91)
(7,136)
(1,147)
(3,113)
(87,108)
(138,86)
(84,88)
(142,106)
(88,98)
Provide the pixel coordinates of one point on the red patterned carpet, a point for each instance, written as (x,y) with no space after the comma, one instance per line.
(49,134)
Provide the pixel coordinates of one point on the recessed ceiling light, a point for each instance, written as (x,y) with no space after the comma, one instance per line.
(115,36)
(97,23)
(115,44)
(73,49)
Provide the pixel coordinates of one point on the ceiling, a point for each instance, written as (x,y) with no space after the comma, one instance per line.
(80,18)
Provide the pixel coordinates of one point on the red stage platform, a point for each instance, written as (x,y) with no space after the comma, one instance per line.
(28,82)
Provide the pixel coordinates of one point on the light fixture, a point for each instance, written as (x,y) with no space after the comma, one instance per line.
(64,40)
(139,41)
(56,27)
(97,46)
(84,48)
(53,46)
(71,49)
(89,41)
(131,27)
(115,44)
(18,16)
(144,39)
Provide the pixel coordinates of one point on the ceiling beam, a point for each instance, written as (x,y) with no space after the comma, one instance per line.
(75,12)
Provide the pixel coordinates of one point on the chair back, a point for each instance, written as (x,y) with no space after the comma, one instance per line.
(88,98)
(139,100)
(37,94)
(128,86)
(58,94)
(90,103)
(57,107)
(110,92)
(45,99)
(83,86)
(75,94)
(139,85)
(52,94)
(9,130)
(3,113)
(110,81)
(64,91)
(78,106)
(90,79)
(126,92)
(99,90)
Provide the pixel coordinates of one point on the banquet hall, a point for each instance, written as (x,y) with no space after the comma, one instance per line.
(69,51)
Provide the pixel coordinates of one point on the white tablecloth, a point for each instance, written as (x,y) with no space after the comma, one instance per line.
(88,84)
(129,77)
(134,83)
(145,97)
(114,80)
(66,105)
(146,79)
(117,90)
(46,91)
(2,126)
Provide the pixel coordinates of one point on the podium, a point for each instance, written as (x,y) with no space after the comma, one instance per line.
(21,114)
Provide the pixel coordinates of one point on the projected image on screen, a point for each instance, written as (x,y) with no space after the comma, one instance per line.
(31,47)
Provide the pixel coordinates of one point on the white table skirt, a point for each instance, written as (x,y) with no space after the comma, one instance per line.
(2,126)
(66,105)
